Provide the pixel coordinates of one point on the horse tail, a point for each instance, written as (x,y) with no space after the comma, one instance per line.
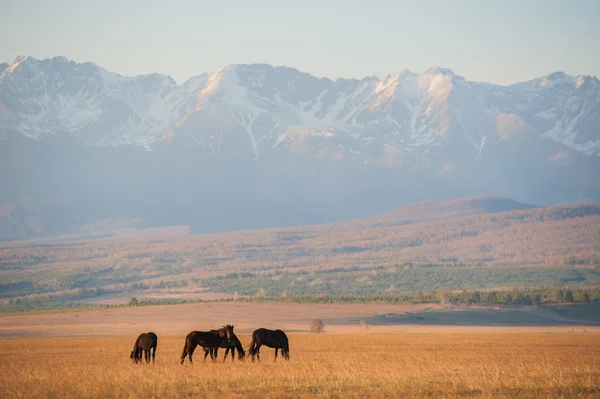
(253,345)
(185,349)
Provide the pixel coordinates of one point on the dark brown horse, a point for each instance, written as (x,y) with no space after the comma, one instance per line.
(206,339)
(270,338)
(229,346)
(144,343)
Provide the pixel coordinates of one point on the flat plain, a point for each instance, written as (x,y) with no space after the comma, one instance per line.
(183,318)
(85,354)
(296,317)
(327,365)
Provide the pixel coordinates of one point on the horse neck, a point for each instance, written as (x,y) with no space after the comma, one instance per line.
(240,348)
(237,344)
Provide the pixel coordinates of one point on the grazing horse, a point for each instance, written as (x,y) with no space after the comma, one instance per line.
(206,339)
(229,346)
(270,338)
(144,342)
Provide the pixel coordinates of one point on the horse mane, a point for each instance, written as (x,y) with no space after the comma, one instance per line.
(221,330)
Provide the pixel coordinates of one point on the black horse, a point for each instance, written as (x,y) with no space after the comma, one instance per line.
(270,338)
(144,342)
(207,339)
(229,346)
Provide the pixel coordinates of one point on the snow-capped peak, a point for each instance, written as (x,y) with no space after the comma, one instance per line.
(19,59)
(274,106)
(435,70)
(15,64)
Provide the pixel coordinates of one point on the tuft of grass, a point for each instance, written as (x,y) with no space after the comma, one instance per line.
(325,365)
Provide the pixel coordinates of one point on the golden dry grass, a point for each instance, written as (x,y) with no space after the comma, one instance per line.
(327,365)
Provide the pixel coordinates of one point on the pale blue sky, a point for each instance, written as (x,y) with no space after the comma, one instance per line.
(496,41)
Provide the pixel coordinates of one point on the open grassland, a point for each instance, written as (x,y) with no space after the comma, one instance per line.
(297,317)
(181,319)
(325,365)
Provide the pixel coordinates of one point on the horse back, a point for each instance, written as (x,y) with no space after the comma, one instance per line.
(153,339)
(147,340)
(206,338)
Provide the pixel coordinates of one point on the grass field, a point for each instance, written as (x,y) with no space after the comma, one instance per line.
(326,365)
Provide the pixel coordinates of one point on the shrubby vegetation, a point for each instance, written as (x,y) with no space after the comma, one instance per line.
(382,281)
(28,305)
(393,255)
(512,297)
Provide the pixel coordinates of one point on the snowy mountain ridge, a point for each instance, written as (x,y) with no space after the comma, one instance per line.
(276,108)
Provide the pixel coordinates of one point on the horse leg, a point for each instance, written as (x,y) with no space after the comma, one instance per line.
(216,352)
(276,350)
(153,354)
(226,353)
(191,352)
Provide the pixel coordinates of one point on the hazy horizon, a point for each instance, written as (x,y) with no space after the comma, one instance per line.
(481,41)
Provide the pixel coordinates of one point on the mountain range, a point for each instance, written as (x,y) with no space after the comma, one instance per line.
(252,146)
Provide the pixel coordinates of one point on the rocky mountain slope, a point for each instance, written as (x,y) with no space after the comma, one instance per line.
(282,107)
(255,145)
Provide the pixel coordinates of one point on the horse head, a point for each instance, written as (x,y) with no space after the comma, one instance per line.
(229,332)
